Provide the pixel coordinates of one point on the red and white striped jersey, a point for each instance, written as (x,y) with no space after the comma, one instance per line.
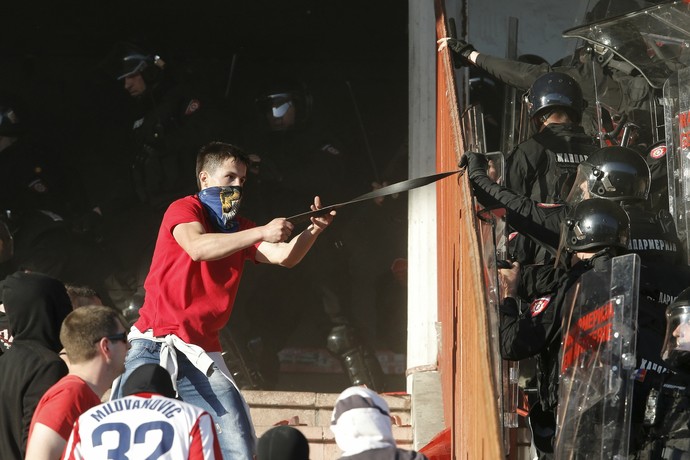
(144,426)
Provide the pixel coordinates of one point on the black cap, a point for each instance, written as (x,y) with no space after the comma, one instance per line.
(283,443)
(149,378)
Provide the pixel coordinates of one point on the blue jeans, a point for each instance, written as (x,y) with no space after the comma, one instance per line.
(215,394)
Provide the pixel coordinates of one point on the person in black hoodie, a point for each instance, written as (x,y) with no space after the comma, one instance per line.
(35,305)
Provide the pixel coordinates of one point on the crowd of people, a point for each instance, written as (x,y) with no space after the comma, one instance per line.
(54,406)
(52,402)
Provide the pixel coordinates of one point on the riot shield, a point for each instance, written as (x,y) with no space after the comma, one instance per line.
(598,362)
(677,120)
(473,132)
(654,40)
(516,126)
(492,240)
(596,10)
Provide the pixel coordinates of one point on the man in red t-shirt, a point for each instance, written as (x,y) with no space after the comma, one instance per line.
(191,286)
(95,340)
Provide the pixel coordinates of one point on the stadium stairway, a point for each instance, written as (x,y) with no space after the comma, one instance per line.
(311,414)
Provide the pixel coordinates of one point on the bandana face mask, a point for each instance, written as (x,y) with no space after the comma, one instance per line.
(222,204)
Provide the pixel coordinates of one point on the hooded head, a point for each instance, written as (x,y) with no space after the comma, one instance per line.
(361,421)
(283,443)
(35,305)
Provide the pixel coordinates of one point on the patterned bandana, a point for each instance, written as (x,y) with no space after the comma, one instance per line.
(222,204)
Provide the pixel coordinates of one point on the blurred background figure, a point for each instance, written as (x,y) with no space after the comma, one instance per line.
(303,141)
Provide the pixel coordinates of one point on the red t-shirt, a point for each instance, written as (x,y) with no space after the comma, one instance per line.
(192,300)
(62,405)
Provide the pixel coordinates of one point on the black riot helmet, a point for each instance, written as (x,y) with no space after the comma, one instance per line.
(9,121)
(555,90)
(595,224)
(135,60)
(676,349)
(615,173)
(283,105)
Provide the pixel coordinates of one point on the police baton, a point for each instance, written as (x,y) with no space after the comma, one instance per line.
(383,191)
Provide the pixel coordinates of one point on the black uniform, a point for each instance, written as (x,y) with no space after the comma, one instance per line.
(296,165)
(659,286)
(668,433)
(616,90)
(170,124)
(537,332)
(539,166)
(652,236)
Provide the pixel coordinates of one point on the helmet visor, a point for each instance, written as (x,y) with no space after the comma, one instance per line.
(280,110)
(580,190)
(133,64)
(676,350)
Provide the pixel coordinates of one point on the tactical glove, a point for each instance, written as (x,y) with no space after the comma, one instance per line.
(475,163)
(461,48)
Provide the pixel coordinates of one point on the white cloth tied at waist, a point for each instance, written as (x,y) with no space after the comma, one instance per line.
(172,344)
(201,359)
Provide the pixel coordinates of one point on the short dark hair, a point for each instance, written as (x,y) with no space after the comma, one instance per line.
(82,295)
(85,326)
(212,155)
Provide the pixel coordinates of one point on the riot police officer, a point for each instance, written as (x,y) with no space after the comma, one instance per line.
(594,231)
(621,92)
(300,149)
(539,166)
(615,173)
(668,409)
(169,119)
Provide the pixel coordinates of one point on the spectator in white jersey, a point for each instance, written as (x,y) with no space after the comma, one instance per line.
(148,422)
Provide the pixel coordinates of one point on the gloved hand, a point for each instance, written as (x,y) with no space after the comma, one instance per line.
(460,47)
(475,164)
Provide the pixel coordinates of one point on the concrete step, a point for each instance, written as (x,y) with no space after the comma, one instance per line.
(311,414)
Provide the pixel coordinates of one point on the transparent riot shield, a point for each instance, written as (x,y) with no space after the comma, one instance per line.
(516,125)
(473,133)
(677,120)
(493,242)
(653,41)
(598,362)
(506,373)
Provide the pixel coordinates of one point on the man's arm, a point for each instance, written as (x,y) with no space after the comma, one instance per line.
(524,214)
(514,73)
(202,246)
(291,253)
(44,443)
